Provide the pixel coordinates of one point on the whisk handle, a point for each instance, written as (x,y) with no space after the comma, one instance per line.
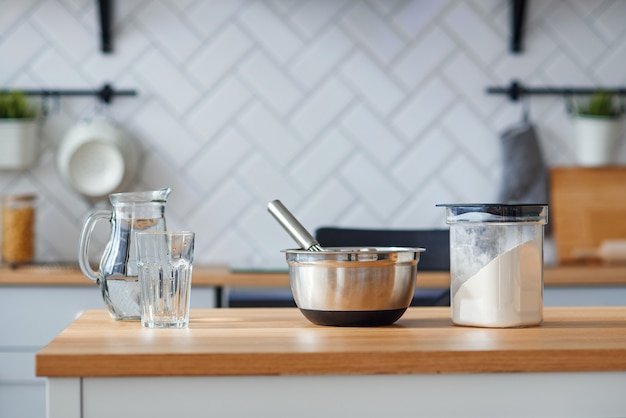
(291,225)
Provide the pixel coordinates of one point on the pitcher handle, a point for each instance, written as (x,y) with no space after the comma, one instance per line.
(85,237)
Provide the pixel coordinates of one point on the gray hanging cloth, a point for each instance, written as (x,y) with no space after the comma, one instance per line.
(525,174)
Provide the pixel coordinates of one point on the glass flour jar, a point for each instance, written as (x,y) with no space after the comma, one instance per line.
(18,229)
(496,264)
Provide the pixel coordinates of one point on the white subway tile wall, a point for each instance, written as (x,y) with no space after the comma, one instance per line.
(352,112)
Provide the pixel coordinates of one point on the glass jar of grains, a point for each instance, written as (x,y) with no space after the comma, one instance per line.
(18,228)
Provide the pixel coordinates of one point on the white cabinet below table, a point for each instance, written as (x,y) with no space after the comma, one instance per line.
(32,317)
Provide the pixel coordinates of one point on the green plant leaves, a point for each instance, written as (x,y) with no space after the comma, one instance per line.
(15,105)
(601,104)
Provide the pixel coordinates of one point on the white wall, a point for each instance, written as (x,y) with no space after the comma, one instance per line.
(355,113)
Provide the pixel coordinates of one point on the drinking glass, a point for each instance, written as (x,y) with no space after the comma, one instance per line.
(165,264)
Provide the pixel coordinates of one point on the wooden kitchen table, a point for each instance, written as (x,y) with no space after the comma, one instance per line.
(274,363)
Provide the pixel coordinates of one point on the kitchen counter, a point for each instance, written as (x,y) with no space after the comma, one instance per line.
(567,285)
(242,361)
(222,276)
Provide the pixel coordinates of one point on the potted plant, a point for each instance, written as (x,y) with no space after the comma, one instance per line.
(598,125)
(19,136)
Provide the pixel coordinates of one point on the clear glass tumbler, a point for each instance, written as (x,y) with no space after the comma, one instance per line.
(165,264)
(496,264)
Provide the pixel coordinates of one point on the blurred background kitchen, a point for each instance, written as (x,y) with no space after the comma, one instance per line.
(353,113)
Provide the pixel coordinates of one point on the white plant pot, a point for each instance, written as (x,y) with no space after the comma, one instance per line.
(19,144)
(597,140)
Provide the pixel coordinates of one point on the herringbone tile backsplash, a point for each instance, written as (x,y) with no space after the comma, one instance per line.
(353,113)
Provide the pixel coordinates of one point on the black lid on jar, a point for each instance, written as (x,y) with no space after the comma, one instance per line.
(495,212)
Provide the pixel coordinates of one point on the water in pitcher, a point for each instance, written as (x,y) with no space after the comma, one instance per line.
(118,276)
(121,295)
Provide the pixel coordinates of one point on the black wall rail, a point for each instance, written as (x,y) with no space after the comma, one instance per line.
(516,90)
(104,94)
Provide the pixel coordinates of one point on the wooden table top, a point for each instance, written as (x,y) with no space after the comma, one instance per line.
(46,275)
(280,341)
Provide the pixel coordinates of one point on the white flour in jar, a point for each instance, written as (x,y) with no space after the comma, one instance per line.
(506,292)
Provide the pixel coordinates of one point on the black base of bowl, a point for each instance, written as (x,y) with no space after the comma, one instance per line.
(353,318)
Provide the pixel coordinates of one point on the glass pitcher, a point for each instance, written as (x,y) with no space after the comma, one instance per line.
(117,274)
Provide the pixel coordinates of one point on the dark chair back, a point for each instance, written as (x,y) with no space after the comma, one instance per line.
(435,241)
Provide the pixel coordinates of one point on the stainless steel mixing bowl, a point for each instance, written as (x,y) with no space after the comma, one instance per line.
(353,286)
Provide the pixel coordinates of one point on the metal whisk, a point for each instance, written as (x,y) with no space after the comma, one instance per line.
(293,227)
